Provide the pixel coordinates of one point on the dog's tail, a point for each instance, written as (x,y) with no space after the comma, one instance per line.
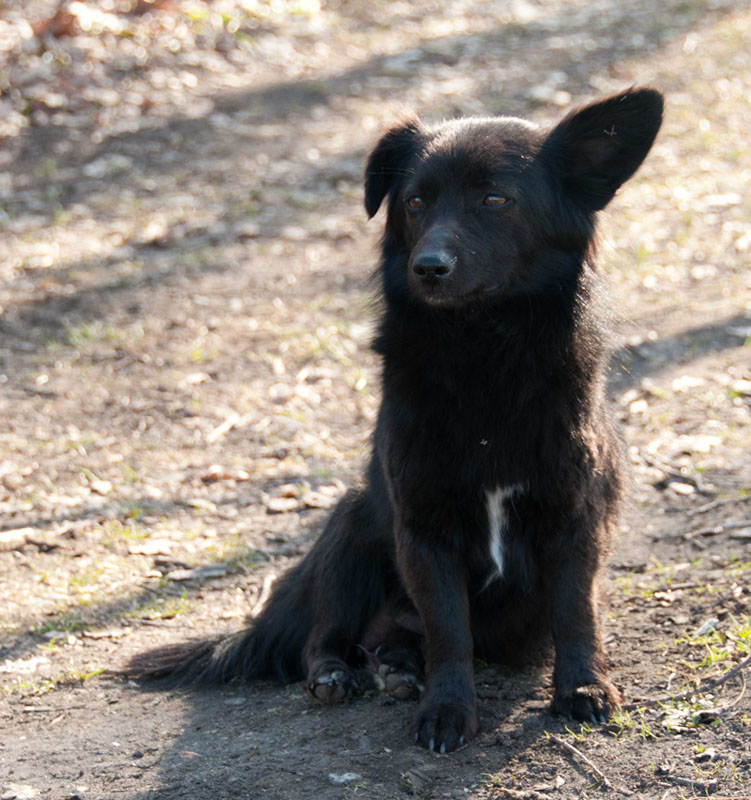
(270,648)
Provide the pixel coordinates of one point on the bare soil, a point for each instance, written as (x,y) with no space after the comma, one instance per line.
(186,385)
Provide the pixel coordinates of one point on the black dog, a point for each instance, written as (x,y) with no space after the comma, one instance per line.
(496,472)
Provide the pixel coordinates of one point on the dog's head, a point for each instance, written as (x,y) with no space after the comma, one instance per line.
(485,208)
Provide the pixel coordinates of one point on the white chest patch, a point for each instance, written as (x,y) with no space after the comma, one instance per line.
(497,522)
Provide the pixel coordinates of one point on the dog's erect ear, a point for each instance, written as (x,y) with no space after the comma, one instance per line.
(597,148)
(389,160)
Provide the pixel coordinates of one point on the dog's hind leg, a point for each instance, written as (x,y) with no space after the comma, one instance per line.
(400,663)
(353,573)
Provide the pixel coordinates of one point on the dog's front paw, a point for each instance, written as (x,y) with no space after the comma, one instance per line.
(593,702)
(445,726)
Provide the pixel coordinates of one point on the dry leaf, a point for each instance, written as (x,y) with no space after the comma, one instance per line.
(282,505)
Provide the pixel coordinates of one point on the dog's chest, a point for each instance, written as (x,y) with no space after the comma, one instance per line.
(498,503)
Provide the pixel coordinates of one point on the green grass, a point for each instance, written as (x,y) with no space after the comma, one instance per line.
(159,607)
(116,531)
(82,579)
(26,688)
(718,645)
(70,621)
(623,720)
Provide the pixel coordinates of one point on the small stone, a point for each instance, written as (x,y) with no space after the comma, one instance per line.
(197,377)
(681,488)
(710,754)
(340,779)
(418,780)
(707,626)
(18,791)
(741,331)
(99,486)
(639,406)
(107,166)
(247,229)
(686,383)
(741,386)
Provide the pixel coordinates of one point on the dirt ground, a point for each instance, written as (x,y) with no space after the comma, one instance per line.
(186,385)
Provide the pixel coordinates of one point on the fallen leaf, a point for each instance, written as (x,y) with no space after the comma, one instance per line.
(282,505)
(15,537)
(61,23)
(100,486)
(152,547)
(318,500)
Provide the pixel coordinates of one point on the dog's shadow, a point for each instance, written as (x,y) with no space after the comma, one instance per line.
(261,740)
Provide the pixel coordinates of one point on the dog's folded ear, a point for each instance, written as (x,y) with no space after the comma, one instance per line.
(598,147)
(389,161)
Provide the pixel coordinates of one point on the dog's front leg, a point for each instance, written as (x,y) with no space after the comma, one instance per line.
(447,715)
(582,688)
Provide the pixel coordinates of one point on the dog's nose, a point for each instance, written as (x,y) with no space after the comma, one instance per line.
(433,264)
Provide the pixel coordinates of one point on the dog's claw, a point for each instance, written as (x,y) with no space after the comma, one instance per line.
(588,702)
(444,727)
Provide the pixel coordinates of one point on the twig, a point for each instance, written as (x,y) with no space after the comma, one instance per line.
(264,596)
(519,794)
(234,420)
(703,786)
(713,684)
(223,428)
(578,753)
(715,796)
(716,503)
(737,699)
(714,530)
(672,472)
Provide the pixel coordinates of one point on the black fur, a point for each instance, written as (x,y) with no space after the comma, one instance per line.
(493,360)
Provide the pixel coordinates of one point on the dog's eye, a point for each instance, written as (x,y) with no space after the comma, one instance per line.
(415,202)
(495,200)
